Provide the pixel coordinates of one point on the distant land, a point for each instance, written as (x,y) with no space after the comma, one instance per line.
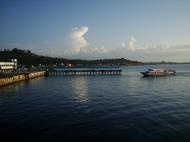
(27,58)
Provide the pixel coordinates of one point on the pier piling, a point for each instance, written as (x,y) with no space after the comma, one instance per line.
(84,72)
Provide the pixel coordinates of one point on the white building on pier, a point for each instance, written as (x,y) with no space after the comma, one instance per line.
(9,65)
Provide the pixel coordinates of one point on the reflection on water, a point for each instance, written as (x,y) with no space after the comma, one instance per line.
(80,89)
(16,87)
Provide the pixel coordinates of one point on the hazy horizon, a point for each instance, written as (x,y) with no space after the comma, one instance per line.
(138,30)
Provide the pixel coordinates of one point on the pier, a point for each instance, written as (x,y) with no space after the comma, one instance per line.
(20,77)
(84,72)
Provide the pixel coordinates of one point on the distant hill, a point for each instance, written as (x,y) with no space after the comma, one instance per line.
(26,57)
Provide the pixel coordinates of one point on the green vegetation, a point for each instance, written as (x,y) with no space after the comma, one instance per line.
(26,57)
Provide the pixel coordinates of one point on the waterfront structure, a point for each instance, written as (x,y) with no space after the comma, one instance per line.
(84,72)
(20,77)
(9,65)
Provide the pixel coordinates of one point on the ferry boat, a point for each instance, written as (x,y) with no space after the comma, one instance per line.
(158,72)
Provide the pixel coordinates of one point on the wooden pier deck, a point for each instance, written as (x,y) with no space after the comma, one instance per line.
(84,72)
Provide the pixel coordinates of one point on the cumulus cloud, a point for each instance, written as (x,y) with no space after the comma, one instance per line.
(79,45)
(123,44)
(131,44)
(77,39)
(101,50)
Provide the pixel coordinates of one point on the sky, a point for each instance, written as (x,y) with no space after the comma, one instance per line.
(144,30)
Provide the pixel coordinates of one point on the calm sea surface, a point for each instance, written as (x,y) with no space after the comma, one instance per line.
(128,107)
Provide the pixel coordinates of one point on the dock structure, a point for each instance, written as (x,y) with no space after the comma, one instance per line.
(20,77)
(84,72)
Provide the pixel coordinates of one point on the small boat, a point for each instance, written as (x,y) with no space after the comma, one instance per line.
(158,72)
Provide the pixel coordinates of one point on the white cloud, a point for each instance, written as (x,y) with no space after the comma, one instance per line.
(77,39)
(80,48)
(79,45)
(123,44)
(100,50)
(131,44)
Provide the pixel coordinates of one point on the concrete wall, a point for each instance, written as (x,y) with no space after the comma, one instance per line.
(13,79)
(36,74)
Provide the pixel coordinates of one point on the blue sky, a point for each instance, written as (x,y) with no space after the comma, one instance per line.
(146,30)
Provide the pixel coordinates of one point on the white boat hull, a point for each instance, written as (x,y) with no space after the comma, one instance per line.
(158,73)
